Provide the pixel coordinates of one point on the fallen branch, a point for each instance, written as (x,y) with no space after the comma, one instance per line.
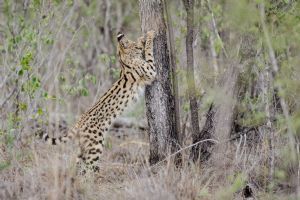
(185,148)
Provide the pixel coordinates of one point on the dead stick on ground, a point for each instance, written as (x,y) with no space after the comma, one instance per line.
(182,149)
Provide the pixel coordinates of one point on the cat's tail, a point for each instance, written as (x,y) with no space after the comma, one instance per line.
(43,134)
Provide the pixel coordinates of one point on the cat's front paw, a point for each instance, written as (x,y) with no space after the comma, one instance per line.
(151,34)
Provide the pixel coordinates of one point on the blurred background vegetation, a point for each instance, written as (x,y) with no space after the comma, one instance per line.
(58,57)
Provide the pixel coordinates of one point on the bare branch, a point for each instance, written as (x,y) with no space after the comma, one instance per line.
(215,29)
(8,97)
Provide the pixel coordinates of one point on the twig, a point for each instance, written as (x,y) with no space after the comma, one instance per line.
(215,29)
(5,80)
(182,149)
(8,97)
(214,56)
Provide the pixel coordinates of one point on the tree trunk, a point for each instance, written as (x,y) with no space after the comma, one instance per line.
(202,150)
(189,6)
(174,73)
(159,98)
(225,104)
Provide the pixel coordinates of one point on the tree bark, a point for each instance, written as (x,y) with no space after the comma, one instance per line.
(189,6)
(174,74)
(202,151)
(159,98)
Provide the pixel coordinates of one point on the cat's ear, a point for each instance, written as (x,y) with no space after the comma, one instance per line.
(120,35)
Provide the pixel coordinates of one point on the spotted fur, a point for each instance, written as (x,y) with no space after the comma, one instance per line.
(137,70)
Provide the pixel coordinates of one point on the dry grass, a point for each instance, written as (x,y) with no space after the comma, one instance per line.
(37,171)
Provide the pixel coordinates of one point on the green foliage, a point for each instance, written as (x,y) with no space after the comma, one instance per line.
(115,72)
(253,111)
(81,87)
(280,174)
(241,14)
(237,183)
(31,86)
(107,59)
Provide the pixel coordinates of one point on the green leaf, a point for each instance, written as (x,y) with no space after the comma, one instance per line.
(81,82)
(25,61)
(218,45)
(93,79)
(84,92)
(45,95)
(113,59)
(21,72)
(23,106)
(40,111)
